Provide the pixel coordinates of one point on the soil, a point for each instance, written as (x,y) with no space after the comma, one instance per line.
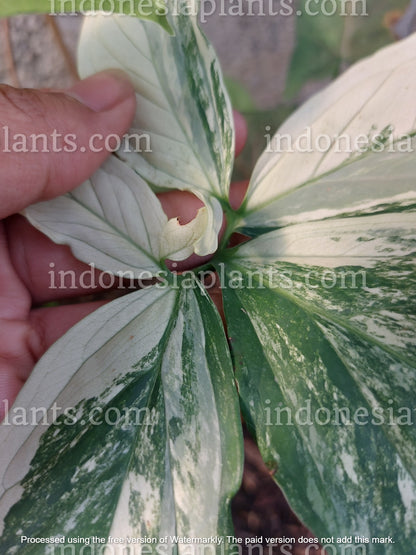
(260,509)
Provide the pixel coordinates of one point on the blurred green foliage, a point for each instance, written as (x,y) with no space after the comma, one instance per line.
(326,45)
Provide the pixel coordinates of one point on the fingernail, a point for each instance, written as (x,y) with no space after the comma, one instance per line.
(103,91)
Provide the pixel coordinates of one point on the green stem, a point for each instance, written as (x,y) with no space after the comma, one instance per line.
(233,220)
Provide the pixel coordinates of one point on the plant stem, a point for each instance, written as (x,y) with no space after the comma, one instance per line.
(233,220)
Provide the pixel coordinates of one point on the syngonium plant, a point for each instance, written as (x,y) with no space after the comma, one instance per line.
(296,341)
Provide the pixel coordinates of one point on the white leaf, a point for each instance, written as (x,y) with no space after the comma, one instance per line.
(374,94)
(113,220)
(374,182)
(182,104)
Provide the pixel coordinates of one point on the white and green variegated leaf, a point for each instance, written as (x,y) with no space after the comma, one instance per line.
(165,458)
(182,104)
(116,221)
(370,105)
(321,318)
(375,182)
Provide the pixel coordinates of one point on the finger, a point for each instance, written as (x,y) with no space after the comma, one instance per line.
(30,340)
(238,191)
(50,271)
(10,385)
(241,131)
(50,323)
(47,136)
(14,298)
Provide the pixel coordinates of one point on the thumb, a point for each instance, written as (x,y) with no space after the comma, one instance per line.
(50,141)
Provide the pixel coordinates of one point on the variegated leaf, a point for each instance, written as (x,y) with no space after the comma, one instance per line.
(375,182)
(142,434)
(182,104)
(368,108)
(321,318)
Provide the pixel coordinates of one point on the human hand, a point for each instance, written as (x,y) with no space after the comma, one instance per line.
(105,104)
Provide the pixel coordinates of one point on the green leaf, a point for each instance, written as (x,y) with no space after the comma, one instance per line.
(369,104)
(335,34)
(241,99)
(182,103)
(165,458)
(156,11)
(321,318)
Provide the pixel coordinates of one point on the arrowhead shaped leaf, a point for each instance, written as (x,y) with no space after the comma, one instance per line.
(321,317)
(165,456)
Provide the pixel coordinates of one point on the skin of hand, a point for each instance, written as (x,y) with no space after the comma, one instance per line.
(104,103)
